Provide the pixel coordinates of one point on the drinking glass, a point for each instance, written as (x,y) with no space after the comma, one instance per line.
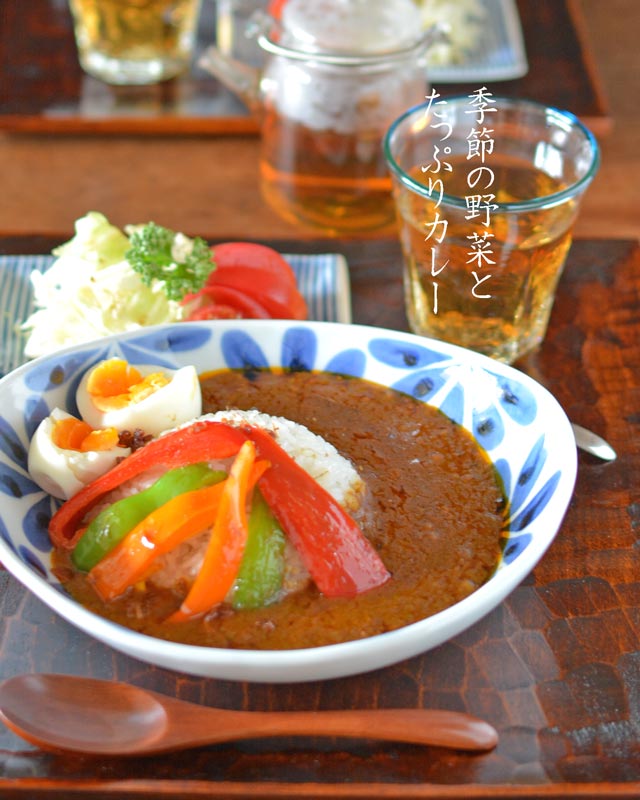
(486,190)
(134,42)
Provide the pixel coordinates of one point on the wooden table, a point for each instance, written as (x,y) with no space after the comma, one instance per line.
(182,173)
(556,667)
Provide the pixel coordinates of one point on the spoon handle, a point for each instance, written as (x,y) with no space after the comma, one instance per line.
(62,712)
(416,726)
(590,442)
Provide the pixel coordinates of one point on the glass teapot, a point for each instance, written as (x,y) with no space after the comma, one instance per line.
(336,73)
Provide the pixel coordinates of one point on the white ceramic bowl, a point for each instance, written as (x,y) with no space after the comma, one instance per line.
(519,424)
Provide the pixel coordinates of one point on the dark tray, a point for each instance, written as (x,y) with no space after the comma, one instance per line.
(43,89)
(556,667)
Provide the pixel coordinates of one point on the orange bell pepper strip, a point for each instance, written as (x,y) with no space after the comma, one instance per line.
(227,542)
(339,557)
(179,519)
(160,532)
(205,440)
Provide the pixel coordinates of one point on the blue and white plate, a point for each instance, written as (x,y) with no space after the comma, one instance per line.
(323,281)
(520,425)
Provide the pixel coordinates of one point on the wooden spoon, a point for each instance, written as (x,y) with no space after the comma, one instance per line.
(63,712)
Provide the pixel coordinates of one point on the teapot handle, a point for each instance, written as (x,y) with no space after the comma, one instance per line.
(242,79)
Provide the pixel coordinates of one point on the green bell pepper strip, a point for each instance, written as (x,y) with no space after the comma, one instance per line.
(205,440)
(262,568)
(112,524)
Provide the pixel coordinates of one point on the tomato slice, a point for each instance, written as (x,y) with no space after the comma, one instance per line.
(213,311)
(224,302)
(260,273)
(279,302)
(253,256)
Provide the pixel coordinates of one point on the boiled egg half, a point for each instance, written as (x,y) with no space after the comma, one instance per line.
(117,394)
(66,453)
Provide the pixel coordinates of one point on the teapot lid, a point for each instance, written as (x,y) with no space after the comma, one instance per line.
(358,27)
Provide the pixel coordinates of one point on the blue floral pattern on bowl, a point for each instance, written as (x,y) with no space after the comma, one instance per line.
(520,426)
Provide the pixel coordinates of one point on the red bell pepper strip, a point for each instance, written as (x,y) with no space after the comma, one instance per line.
(340,559)
(205,440)
(227,542)
(275,7)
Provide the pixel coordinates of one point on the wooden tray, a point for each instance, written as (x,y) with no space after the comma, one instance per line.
(556,667)
(43,89)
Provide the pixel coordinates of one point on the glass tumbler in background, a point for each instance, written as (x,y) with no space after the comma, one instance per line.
(486,201)
(135,42)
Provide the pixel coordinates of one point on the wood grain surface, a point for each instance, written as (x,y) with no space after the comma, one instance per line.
(556,667)
(208,183)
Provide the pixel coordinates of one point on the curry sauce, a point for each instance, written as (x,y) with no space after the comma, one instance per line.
(433,509)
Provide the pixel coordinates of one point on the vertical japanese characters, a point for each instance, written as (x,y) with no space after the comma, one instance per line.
(437,227)
(480,201)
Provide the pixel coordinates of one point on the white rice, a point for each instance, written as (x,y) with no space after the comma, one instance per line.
(335,473)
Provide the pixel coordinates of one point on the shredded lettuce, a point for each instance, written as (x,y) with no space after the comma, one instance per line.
(91,291)
(96,240)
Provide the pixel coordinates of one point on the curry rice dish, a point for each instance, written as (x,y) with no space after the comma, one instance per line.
(432,507)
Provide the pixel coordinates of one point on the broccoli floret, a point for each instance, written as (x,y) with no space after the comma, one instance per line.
(182,264)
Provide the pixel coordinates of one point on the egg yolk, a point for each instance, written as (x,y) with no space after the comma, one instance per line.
(74,434)
(115,384)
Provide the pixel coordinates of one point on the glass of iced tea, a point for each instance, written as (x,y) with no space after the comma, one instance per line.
(135,42)
(486,191)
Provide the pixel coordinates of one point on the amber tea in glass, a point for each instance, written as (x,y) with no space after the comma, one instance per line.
(135,41)
(321,161)
(485,277)
(325,179)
